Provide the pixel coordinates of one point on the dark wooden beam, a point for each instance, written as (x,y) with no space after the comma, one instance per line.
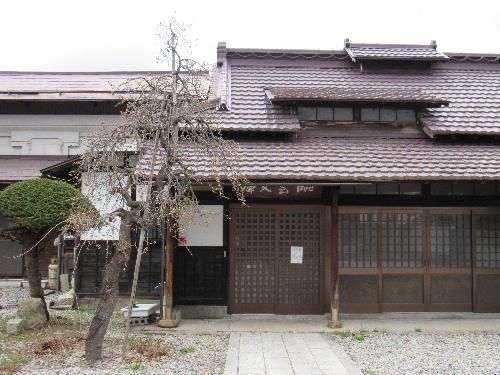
(334,287)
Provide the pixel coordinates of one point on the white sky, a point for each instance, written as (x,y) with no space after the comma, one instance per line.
(77,35)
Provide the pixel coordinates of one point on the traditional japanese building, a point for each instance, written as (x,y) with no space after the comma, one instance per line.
(384,157)
(378,165)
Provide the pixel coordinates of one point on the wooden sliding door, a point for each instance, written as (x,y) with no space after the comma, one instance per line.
(486,249)
(449,276)
(410,259)
(402,260)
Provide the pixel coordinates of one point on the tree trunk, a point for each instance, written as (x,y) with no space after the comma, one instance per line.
(108,296)
(33,271)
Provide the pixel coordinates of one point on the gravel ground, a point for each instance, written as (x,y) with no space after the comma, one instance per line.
(10,297)
(186,354)
(423,353)
(63,346)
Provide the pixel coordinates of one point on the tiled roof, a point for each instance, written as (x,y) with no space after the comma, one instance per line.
(25,167)
(328,158)
(62,86)
(353,94)
(368,159)
(473,90)
(360,52)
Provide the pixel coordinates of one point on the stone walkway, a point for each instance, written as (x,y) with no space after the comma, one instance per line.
(390,322)
(285,353)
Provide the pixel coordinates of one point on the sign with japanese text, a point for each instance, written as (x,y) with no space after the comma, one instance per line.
(282,191)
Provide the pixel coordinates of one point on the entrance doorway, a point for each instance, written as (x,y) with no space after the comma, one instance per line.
(275,259)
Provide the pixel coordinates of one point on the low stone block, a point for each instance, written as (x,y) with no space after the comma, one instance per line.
(64,299)
(15,326)
(167,323)
(64,282)
(32,312)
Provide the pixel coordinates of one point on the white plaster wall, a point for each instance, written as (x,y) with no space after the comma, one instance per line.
(49,134)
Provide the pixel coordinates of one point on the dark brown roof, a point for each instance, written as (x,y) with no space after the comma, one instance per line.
(472,88)
(361,52)
(366,159)
(18,168)
(323,156)
(414,97)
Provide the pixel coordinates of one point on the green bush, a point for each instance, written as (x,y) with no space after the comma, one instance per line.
(40,203)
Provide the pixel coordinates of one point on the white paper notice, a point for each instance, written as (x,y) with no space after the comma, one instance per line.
(296,254)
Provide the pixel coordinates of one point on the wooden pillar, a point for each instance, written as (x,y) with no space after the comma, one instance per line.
(163,253)
(169,290)
(334,287)
(169,320)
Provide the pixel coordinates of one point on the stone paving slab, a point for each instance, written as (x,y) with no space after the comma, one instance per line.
(255,353)
(390,322)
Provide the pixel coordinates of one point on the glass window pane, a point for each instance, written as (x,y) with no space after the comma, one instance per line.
(306,113)
(485,189)
(387,114)
(441,188)
(388,188)
(325,113)
(370,114)
(403,240)
(411,189)
(488,241)
(406,114)
(450,240)
(346,189)
(366,189)
(343,114)
(463,189)
(358,240)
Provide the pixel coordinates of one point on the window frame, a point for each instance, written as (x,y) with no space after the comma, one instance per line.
(357,114)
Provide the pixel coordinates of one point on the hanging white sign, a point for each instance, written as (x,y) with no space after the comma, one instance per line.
(296,254)
(205,227)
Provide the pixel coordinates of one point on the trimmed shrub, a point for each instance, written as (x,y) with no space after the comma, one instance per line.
(40,203)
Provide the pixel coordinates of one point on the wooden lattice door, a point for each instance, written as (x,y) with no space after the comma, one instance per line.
(263,279)
(298,289)
(253,260)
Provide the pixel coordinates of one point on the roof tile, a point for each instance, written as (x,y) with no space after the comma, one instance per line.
(473,93)
(327,158)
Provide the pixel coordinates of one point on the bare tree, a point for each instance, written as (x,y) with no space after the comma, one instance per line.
(166,145)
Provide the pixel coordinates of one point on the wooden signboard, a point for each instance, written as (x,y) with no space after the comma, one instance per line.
(282,191)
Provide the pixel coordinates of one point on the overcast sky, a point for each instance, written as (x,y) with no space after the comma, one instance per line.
(107,35)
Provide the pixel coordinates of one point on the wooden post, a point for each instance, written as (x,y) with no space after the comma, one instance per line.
(169,290)
(169,320)
(334,291)
(163,253)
